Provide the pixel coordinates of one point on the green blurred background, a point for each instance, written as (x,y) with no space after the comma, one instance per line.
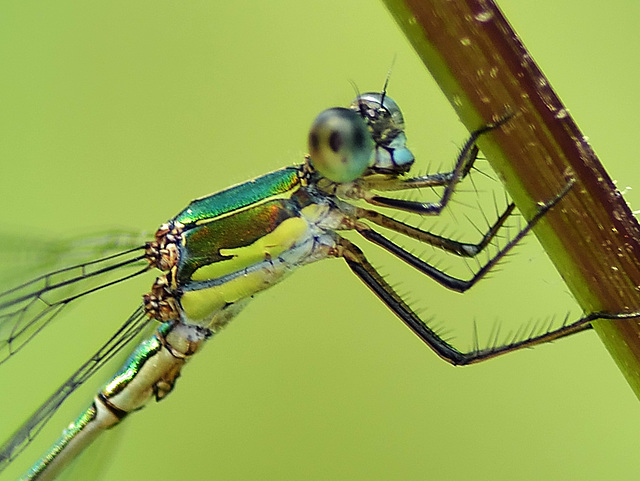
(116,115)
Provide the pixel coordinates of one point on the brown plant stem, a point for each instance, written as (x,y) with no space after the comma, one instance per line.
(592,237)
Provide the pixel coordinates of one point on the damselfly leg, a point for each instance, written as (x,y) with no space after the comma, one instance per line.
(359,264)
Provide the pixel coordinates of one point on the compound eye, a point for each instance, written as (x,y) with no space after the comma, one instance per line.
(340,145)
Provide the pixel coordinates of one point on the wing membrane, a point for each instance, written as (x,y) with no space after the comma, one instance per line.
(26,309)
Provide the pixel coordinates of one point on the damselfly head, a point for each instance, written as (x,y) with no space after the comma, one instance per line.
(367,138)
(386,125)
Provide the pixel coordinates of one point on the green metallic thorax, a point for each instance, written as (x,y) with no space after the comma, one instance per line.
(240,241)
(228,201)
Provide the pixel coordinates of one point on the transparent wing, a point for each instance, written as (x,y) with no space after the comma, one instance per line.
(132,327)
(94,263)
(26,256)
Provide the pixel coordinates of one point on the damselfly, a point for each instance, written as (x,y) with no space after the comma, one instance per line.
(93,91)
(223,249)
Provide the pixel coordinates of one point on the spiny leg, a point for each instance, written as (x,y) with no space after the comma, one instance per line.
(361,267)
(465,161)
(448,281)
(463,249)
(449,180)
(438,179)
(369,275)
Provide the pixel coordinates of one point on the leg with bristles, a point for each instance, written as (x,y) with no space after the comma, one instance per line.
(449,180)
(448,281)
(361,267)
(369,275)
(462,249)
(438,179)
